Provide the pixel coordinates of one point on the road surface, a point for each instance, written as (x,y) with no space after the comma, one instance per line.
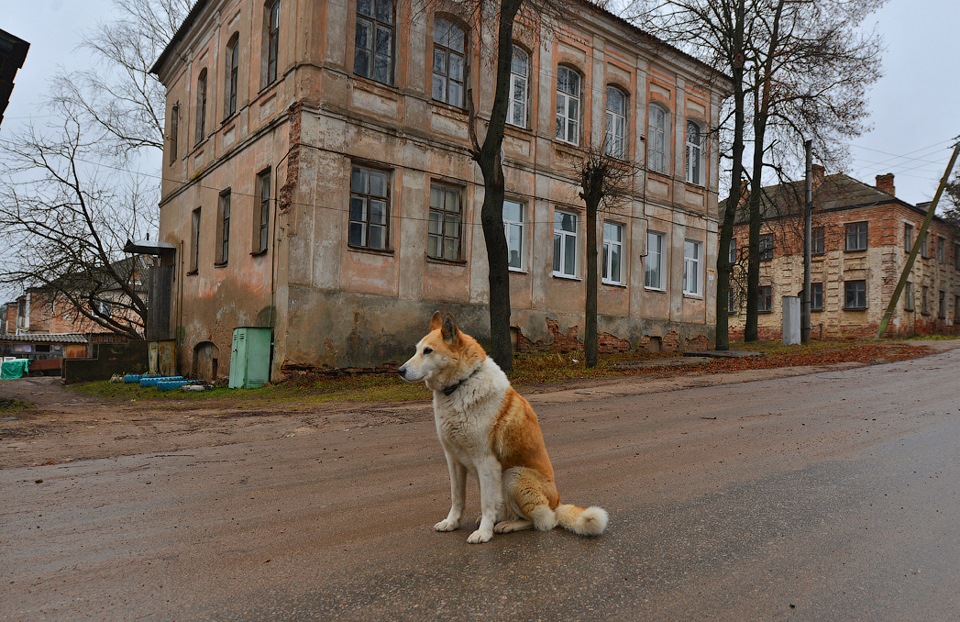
(830,496)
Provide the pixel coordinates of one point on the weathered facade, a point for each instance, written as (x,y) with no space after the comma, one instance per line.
(862,237)
(317,179)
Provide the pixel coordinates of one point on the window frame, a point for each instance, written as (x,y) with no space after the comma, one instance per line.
(515,102)
(657,137)
(174,133)
(695,173)
(454,217)
(261,219)
(657,269)
(854,283)
(271,43)
(909,303)
(765,299)
(201,126)
(924,300)
(375,24)
(368,198)
(817,241)
(565,237)
(907,237)
(608,257)
(924,247)
(697,263)
(232,75)
(614,143)
(941,250)
(766,249)
(859,233)
(519,225)
(816,293)
(565,122)
(942,305)
(448,52)
(223,228)
(195,240)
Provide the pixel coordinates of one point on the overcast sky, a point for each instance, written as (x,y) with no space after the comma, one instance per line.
(915,106)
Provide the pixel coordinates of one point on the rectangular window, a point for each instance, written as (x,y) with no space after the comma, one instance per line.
(174,131)
(271,40)
(908,297)
(201,129)
(694,154)
(615,123)
(233,75)
(369,203)
(766,247)
(816,241)
(446,216)
(564,244)
(692,278)
(855,295)
(513,230)
(373,42)
(612,270)
(568,105)
(956,309)
(653,267)
(519,87)
(942,305)
(925,300)
(449,62)
(261,213)
(223,228)
(816,296)
(732,299)
(956,255)
(765,299)
(195,241)
(924,251)
(856,236)
(941,249)
(732,252)
(907,237)
(657,140)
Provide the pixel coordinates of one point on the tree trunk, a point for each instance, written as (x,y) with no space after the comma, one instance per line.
(590,310)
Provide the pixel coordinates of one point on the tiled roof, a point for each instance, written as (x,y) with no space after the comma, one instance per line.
(47,338)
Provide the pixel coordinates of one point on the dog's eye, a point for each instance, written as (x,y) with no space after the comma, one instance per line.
(427,350)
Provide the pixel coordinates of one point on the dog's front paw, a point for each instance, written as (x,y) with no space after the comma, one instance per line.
(447,525)
(479,536)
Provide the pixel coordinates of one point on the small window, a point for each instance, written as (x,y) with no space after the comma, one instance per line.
(692,272)
(765,299)
(195,241)
(223,228)
(956,255)
(956,309)
(568,105)
(612,269)
(513,229)
(449,62)
(271,41)
(657,140)
(924,251)
(201,106)
(816,296)
(942,305)
(615,137)
(446,216)
(816,241)
(941,250)
(174,131)
(732,252)
(519,87)
(908,297)
(694,154)
(653,266)
(766,247)
(907,237)
(732,306)
(233,76)
(261,216)
(369,206)
(925,300)
(856,236)
(374,40)
(565,243)
(855,295)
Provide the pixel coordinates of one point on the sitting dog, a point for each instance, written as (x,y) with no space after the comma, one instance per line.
(489,430)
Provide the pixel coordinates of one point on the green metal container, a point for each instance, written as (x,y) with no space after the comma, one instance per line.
(250,357)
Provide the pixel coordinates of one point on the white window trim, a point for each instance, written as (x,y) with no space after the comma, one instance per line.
(578,97)
(687,263)
(607,265)
(696,149)
(525,79)
(657,136)
(661,264)
(565,236)
(523,235)
(615,144)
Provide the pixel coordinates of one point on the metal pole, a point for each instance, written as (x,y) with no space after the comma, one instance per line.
(805,302)
(917,243)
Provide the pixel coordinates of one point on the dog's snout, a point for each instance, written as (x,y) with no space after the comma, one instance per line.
(402,371)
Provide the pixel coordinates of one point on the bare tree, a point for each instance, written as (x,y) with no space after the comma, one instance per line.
(605,182)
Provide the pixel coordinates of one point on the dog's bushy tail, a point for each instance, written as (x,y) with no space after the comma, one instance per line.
(591,521)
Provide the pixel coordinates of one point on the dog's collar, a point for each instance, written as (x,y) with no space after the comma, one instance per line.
(448,391)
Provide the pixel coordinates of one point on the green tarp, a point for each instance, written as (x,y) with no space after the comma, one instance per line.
(14,369)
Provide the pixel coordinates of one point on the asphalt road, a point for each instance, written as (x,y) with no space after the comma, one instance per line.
(830,496)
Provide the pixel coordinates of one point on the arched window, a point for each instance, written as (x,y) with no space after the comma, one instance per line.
(449,62)
(568,105)
(233,78)
(201,105)
(373,52)
(615,139)
(694,153)
(519,87)
(271,43)
(657,140)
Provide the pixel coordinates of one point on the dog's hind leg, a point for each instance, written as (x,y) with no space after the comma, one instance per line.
(529,494)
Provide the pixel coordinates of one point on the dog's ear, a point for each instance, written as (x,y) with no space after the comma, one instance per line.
(436,321)
(450,332)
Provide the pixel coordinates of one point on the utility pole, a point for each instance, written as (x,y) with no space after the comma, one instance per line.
(917,243)
(805,303)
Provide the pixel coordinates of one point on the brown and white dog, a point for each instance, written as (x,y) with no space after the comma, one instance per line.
(490,431)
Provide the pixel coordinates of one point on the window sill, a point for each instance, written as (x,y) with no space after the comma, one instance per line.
(664,174)
(371,251)
(449,108)
(517,271)
(565,277)
(222,264)
(445,262)
(230,118)
(764,311)
(390,90)
(193,272)
(258,253)
(693,296)
(854,308)
(659,290)
(854,250)
(614,284)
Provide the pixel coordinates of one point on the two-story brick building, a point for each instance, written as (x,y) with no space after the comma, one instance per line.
(861,238)
(317,179)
